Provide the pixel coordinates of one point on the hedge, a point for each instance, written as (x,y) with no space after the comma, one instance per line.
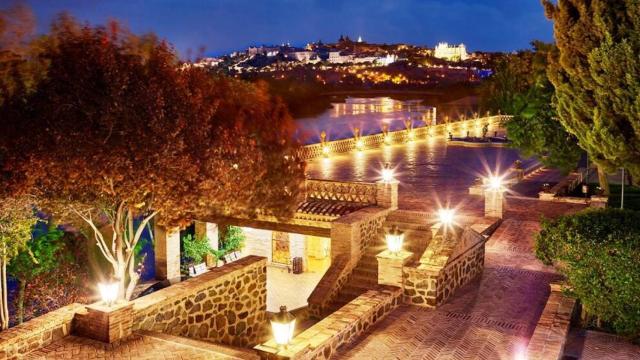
(599,253)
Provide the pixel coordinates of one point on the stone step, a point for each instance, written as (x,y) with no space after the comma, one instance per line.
(355,289)
(364,278)
(208,349)
(366,272)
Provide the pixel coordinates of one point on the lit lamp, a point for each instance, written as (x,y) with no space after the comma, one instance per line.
(494,183)
(358,138)
(283,324)
(109,292)
(411,135)
(387,173)
(325,151)
(323,141)
(394,238)
(446,216)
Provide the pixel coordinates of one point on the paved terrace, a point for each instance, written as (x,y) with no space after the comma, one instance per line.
(431,172)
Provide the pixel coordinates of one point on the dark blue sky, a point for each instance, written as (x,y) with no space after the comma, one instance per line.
(224,25)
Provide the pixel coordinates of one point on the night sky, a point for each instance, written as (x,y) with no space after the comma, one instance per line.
(221,26)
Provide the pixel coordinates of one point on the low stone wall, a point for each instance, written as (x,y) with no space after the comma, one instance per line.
(322,340)
(550,335)
(565,186)
(444,269)
(227,305)
(458,128)
(37,332)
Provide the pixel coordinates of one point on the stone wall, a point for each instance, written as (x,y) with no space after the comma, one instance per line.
(458,128)
(432,282)
(549,337)
(350,236)
(226,305)
(323,339)
(37,332)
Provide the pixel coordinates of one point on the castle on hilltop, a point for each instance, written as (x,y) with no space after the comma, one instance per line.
(451,52)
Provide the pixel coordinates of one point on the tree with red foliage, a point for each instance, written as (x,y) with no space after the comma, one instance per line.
(118,130)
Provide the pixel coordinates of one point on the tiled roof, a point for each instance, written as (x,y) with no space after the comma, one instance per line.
(329,207)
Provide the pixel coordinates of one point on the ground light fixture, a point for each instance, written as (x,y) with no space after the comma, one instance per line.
(387,173)
(283,325)
(395,239)
(109,292)
(446,216)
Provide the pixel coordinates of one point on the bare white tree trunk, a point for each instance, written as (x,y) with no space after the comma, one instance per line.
(4,304)
(121,253)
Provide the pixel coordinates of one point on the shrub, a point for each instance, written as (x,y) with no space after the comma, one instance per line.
(599,252)
(195,248)
(233,239)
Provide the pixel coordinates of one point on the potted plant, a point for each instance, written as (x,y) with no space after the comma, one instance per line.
(195,251)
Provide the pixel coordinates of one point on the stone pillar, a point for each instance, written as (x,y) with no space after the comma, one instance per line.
(390,267)
(343,240)
(494,203)
(387,194)
(104,323)
(210,231)
(167,252)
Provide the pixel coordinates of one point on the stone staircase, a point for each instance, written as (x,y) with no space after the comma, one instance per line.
(417,229)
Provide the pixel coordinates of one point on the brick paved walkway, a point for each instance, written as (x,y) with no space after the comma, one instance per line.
(490,319)
(593,345)
(145,346)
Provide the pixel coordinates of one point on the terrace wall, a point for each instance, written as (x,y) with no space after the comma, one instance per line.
(458,128)
(227,305)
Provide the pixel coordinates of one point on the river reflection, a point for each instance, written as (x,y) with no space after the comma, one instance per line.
(367,114)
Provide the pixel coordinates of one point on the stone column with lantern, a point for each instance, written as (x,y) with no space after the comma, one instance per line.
(392,261)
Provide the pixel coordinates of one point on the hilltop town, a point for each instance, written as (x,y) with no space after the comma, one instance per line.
(350,62)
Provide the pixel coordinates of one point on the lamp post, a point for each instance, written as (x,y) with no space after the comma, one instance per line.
(494,197)
(395,239)
(283,325)
(323,142)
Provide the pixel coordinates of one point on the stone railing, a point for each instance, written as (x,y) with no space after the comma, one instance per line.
(458,128)
(322,340)
(38,332)
(227,305)
(449,262)
(355,192)
(328,287)
(550,335)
